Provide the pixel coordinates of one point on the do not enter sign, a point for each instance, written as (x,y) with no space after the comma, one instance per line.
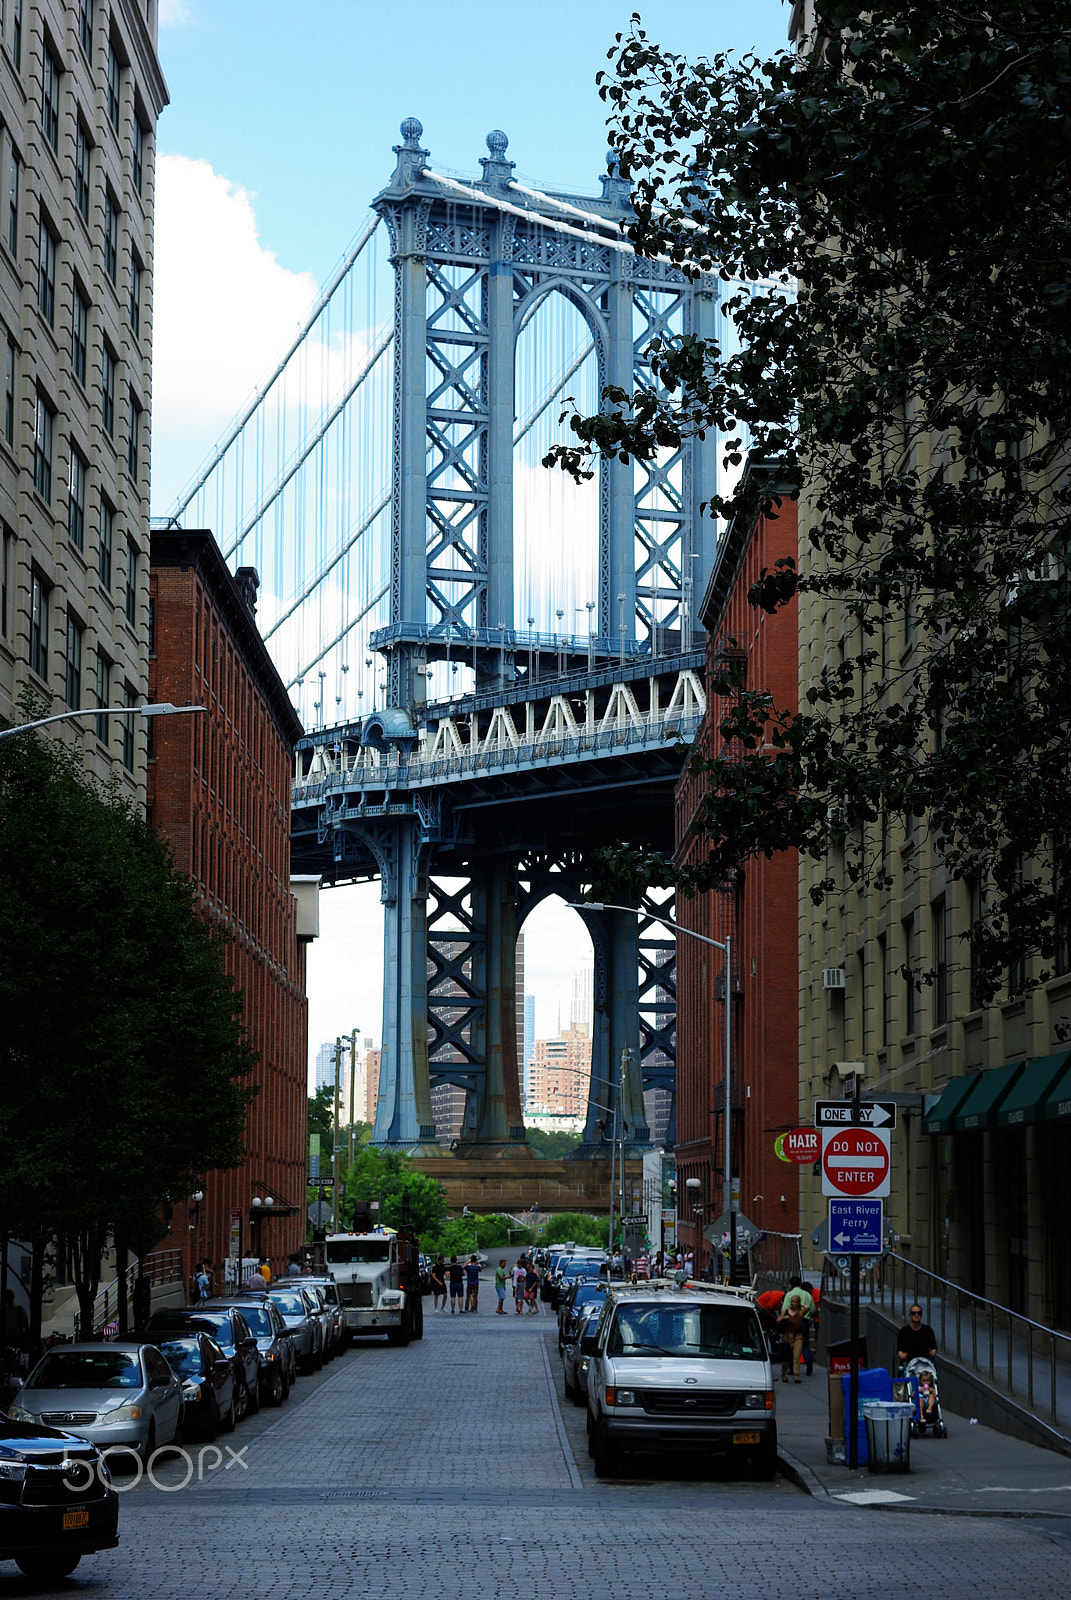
(801,1145)
(855,1162)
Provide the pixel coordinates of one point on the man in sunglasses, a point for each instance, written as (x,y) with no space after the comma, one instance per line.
(916,1338)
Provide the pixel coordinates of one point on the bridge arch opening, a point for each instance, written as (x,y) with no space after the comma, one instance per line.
(555,521)
(555,958)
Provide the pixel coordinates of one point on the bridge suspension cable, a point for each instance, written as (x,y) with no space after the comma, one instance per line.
(247,415)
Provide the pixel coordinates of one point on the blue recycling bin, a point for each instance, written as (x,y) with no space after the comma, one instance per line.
(875,1383)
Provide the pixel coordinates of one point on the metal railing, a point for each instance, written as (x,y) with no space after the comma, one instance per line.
(162,1266)
(1024,1358)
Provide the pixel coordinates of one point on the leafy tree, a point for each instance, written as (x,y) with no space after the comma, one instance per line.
(121,1045)
(385,1175)
(321,1114)
(898,202)
(553,1146)
(575,1226)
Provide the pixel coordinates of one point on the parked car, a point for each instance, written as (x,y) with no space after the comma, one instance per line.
(275,1348)
(57,1503)
(328,1289)
(306,1330)
(583,1292)
(225,1324)
(574,1361)
(207,1379)
(576,1266)
(121,1394)
(323,1314)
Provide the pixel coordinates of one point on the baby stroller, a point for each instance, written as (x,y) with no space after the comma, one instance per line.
(921,1375)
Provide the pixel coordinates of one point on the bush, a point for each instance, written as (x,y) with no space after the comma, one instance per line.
(575,1225)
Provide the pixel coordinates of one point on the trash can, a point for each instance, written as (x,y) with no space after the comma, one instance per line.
(874,1384)
(888,1435)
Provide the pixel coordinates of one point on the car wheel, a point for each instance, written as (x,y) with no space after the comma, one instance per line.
(254,1397)
(45,1567)
(178,1438)
(277,1392)
(150,1442)
(591,1435)
(228,1422)
(570,1390)
(418,1320)
(605,1457)
(318,1359)
(241,1402)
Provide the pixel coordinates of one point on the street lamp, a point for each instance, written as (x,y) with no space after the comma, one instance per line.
(161,708)
(693,1186)
(726,947)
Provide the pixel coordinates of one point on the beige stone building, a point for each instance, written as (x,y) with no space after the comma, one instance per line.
(559,1072)
(80,93)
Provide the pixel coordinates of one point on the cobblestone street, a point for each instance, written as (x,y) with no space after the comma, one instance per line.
(451,1469)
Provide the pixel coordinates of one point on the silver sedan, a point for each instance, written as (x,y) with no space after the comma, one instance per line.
(121,1394)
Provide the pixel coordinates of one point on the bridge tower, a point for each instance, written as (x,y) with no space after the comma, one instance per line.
(461,861)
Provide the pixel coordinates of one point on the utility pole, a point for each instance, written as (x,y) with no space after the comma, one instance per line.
(621,1171)
(353,1074)
(334,1138)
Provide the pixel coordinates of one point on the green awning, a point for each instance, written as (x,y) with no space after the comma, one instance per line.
(953,1095)
(1057,1103)
(1031,1090)
(979,1109)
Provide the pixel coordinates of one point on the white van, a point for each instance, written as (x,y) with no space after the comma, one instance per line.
(679,1368)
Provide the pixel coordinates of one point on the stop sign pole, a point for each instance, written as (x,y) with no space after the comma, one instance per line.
(853,1327)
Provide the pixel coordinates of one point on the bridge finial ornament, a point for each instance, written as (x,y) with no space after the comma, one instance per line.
(412,131)
(497,170)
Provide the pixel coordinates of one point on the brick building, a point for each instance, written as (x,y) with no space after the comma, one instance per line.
(219,790)
(760,914)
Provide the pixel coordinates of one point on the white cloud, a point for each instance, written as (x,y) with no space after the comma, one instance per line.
(224,308)
(174,13)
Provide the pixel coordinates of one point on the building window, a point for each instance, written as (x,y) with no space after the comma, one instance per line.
(103,688)
(16,37)
(115,82)
(130,593)
(111,237)
(9,392)
(76,500)
(42,448)
(50,98)
(910,1020)
(13,203)
(135,295)
(129,699)
(85,27)
(883,966)
(104,544)
(82,171)
(46,273)
(79,334)
(133,434)
(38,626)
(976,910)
(139,155)
(940,964)
(6,545)
(107,392)
(72,678)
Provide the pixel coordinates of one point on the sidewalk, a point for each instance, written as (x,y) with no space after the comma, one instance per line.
(974,1472)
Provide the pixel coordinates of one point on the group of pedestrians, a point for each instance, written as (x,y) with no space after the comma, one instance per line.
(525,1282)
(456,1281)
(793,1312)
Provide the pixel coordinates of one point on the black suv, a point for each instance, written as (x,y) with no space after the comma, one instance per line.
(57,1503)
(227,1326)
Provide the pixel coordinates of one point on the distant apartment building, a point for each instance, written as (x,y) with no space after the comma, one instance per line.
(219,792)
(559,1074)
(528,1046)
(325,1065)
(582,997)
(80,93)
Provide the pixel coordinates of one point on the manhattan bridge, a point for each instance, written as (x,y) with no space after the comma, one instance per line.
(496,665)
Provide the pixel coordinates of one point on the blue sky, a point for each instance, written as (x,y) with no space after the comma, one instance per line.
(278,135)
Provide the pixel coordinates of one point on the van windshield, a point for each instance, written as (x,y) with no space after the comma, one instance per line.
(728,1332)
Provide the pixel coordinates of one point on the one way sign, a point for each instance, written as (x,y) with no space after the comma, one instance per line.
(838,1114)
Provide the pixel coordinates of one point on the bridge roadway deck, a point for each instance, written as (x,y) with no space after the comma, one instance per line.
(452,1470)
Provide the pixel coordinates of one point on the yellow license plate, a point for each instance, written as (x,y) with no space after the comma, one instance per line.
(75,1519)
(745,1438)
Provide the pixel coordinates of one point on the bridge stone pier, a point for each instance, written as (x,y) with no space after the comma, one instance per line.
(471,808)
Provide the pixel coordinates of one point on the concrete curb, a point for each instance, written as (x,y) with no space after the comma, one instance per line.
(794,1470)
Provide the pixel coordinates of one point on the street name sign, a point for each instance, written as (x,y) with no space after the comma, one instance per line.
(856,1227)
(839,1114)
(855,1162)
